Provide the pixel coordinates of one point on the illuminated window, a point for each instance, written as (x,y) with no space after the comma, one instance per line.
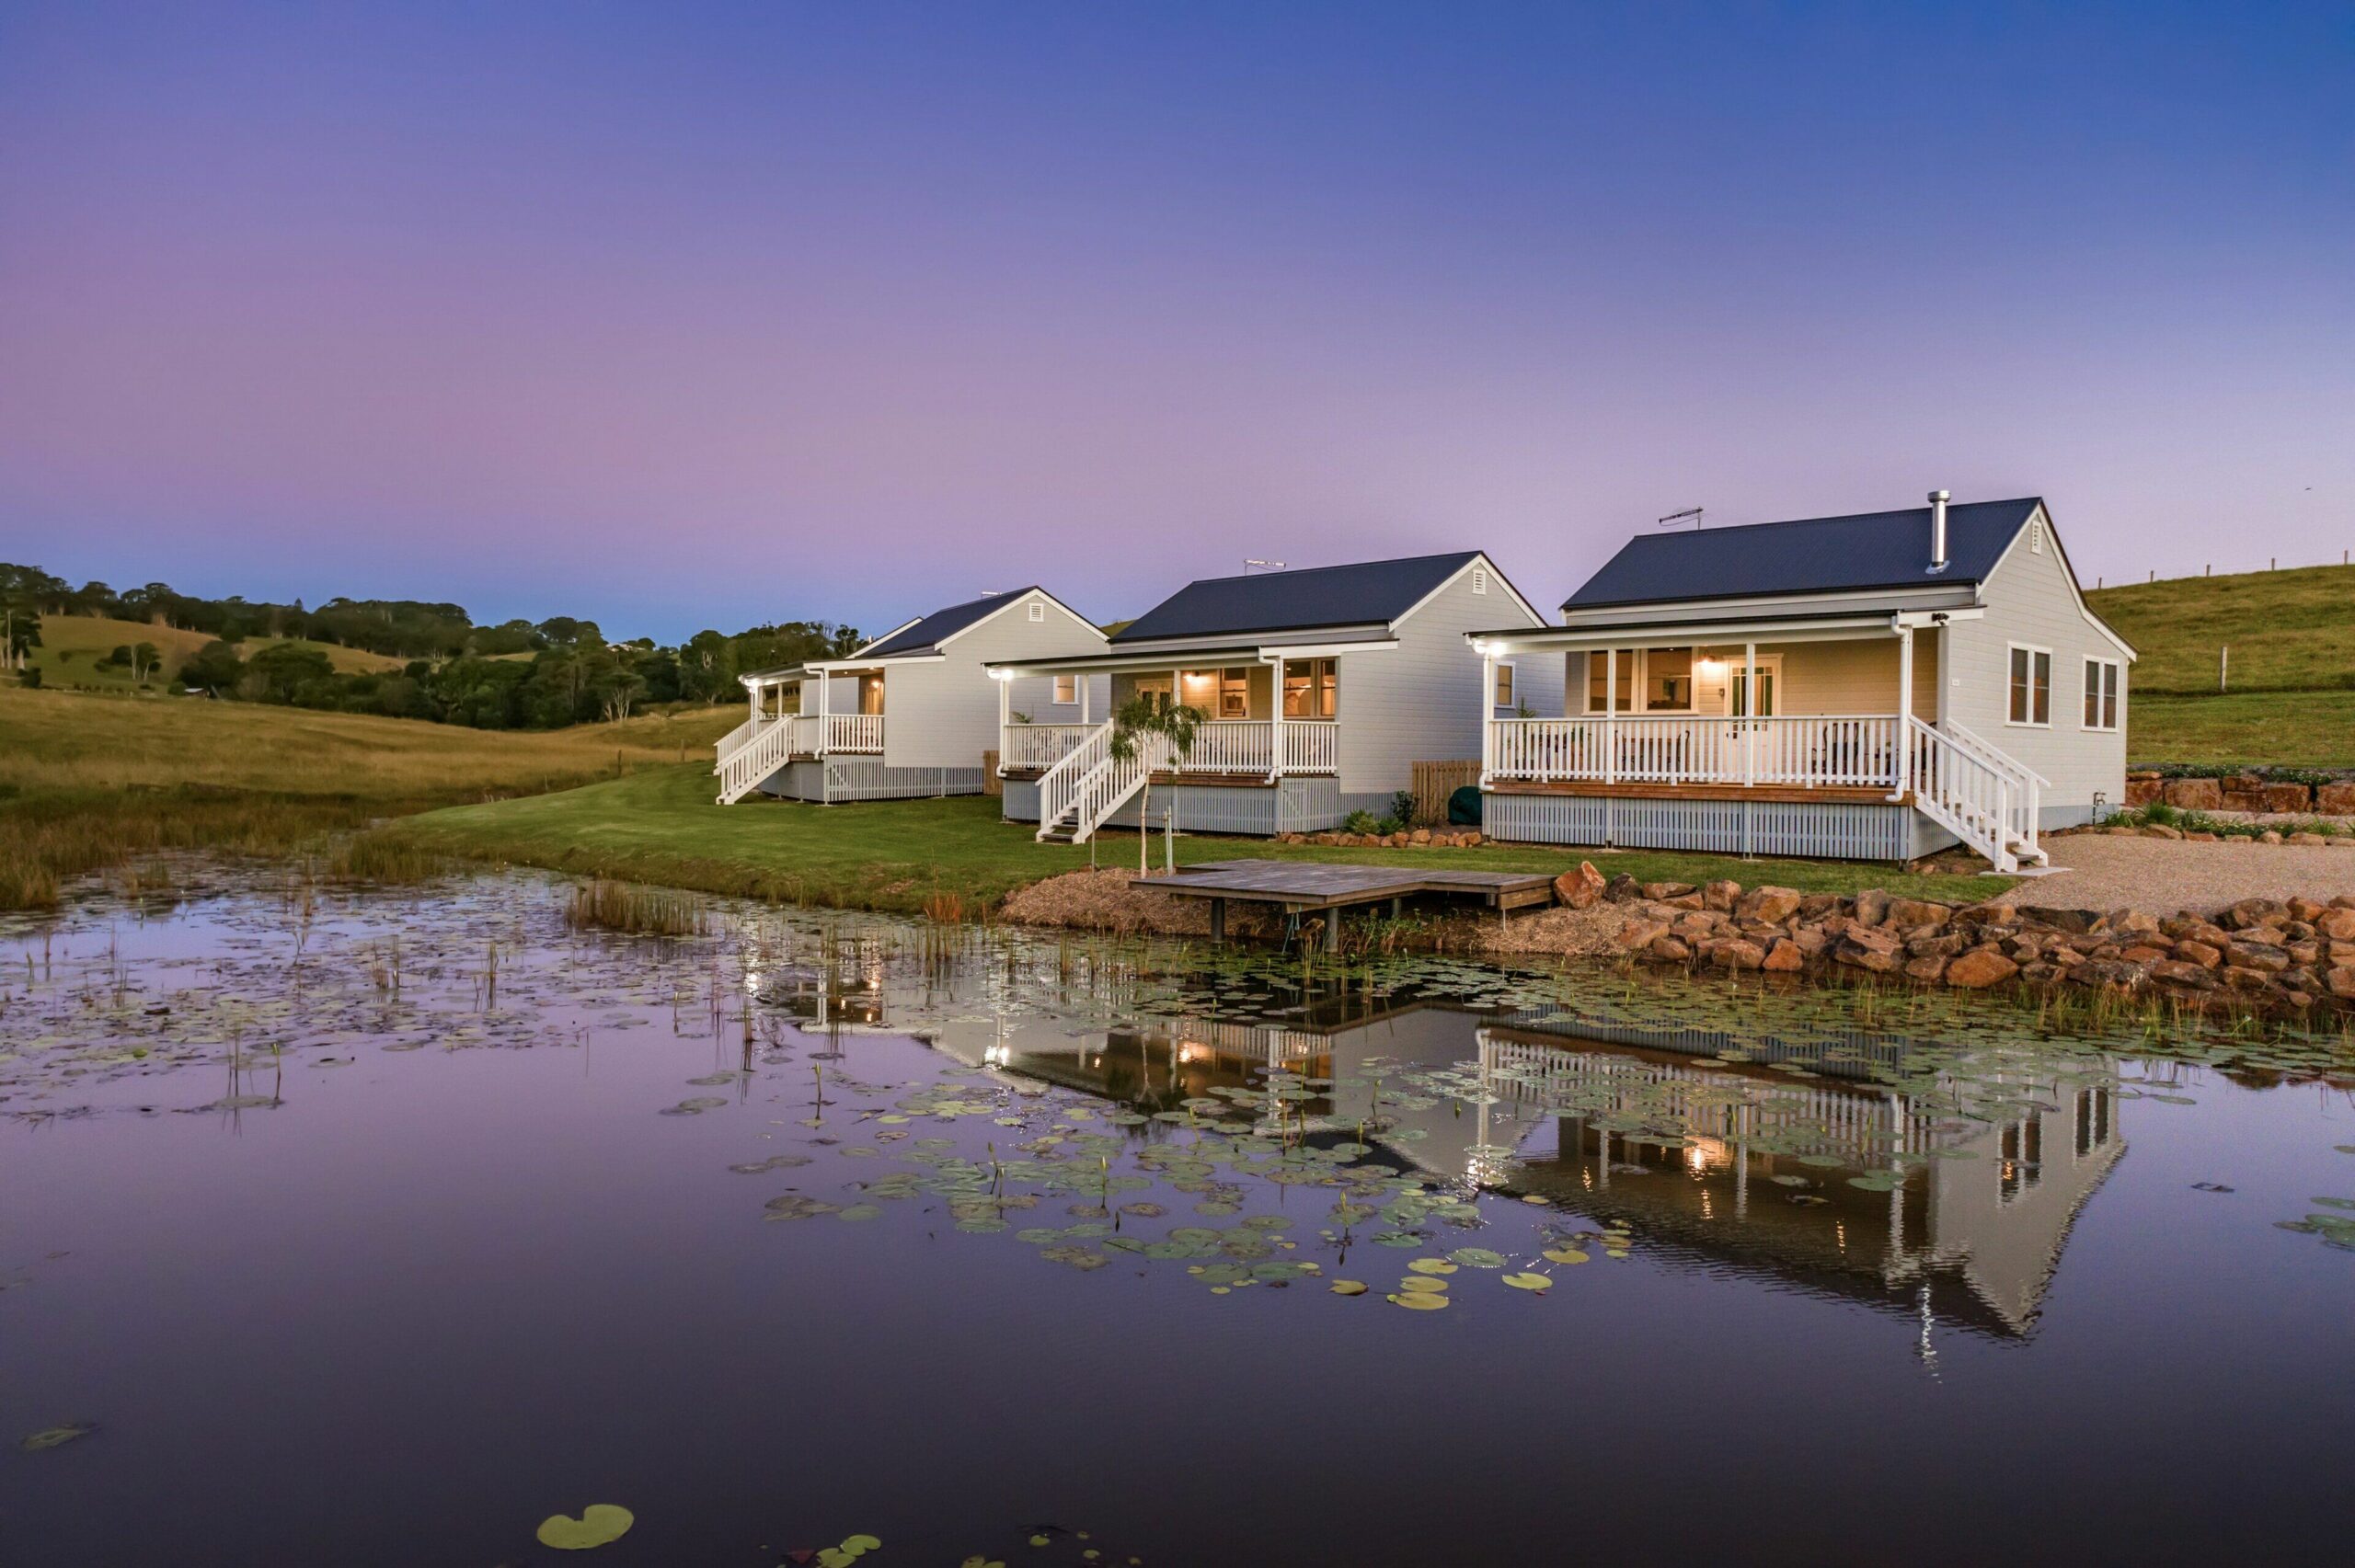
(1504,694)
(1668,680)
(1234,694)
(1597,664)
(2031,686)
(1067,689)
(1309,688)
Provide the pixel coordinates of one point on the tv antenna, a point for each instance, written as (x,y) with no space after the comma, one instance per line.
(1263,566)
(1693,512)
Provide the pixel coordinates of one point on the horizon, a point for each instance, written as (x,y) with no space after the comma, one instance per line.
(670,320)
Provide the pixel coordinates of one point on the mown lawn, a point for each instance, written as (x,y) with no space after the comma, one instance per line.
(661,826)
(2288,630)
(2296,729)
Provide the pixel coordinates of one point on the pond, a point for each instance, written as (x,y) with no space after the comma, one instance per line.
(378,1228)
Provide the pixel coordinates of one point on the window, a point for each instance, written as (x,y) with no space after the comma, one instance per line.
(1038,611)
(2032,691)
(1596,666)
(1309,688)
(2019,1156)
(1067,689)
(1234,694)
(1668,680)
(2101,693)
(1503,695)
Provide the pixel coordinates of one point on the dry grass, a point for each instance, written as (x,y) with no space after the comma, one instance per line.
(637,910)
(73,645)
(89,782)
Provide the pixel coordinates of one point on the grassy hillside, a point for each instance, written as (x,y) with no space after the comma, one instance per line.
(73,645)
(2291,694)
(88,782)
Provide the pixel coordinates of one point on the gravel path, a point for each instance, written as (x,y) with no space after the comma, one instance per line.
(2161,875)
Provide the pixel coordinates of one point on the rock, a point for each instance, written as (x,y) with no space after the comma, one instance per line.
(2161,830)
(1872,907)
(2189,977)
(1815,906)
(1811,940)
(1736,953)
(2257,956)
(1787,957)
(2123,922)
(1721,895)
(2251,912)
(2200,837)
(2194,795)
(2111,974)
(1979,968)
(2337,924)
(2287,796)
(1916,912)
(1863,948)
(2142,791)
(1470,839)
(2307,839)
(2076,923)
(1582,888)
(2341,981)
(1640,933)
(2335,799)
(1622,890)
(1661,892)
(2271,836)
(1769,906)
(2142,953)
(2307,909)
(1697,926)
(1930,967)
(1421,835)
(1669,949)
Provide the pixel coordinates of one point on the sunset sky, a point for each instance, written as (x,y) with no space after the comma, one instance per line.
(687,316)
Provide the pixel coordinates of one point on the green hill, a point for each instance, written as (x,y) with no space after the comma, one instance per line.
(72,646)
(2289,686)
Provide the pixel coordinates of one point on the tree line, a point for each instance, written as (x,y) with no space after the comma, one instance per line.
(515,675)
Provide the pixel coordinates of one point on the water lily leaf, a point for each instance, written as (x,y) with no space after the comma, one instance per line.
(1421,1284)
(1347,1288)
(600,1523)
(1421,1301)
(1530,1281)
(1477,1257)
(1430,1265)
(51,1436)
(1564,1254)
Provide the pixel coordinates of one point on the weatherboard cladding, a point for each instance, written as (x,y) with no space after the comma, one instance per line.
(940,625)
(1817,555)
(1361,593)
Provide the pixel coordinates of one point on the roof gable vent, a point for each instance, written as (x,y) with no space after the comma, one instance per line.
(1038,610)
(1479,580)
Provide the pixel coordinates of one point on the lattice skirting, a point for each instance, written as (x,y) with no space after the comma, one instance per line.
(1811,829)
(1308,806)
(831,781)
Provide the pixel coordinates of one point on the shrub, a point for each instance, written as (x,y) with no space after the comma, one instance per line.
(1359,822)
(1402,806)
(1389,825)
(28,676)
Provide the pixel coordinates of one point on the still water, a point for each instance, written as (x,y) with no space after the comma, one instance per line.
(375,1229)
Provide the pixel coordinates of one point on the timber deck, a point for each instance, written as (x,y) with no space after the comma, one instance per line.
(1302,886)
(1781,794)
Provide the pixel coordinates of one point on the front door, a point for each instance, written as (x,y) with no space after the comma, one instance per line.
(1154,686)
(1770,677)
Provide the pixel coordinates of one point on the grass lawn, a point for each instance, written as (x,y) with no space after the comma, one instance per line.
(661,826)
(2303,729)
(73,645)
(89,782)
(2288,631)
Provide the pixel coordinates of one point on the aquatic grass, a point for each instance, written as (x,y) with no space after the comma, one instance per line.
(636,911)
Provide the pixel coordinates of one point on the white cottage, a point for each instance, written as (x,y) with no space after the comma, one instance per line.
(911,713)
(1323,688)
(1875,687)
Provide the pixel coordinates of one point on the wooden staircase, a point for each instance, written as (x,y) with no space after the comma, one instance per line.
(1081,792)
(1985,797)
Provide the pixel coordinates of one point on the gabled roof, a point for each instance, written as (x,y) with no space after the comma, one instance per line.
(1815,554)
(926,634)
(1363,593)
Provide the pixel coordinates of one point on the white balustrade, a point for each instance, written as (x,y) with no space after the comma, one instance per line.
(1231,746)
(1029,746)
(1312,746)
(1854,750)
(854,732)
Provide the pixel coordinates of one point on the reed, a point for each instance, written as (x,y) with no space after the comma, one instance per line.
(636,909)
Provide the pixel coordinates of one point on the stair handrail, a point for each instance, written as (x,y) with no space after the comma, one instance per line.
(759,756)
(1108,785)
(1058,786)
(2028,804)
(1965,794)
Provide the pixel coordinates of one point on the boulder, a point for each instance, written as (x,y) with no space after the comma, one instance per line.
(1737,952)
(2075,922)
(1815,906)
(2254,912)
(2111,974)
(1914,913)
(1769,906)
(1669,949)
(2337,924)
(1865,948)
(2194,795)
(1872,907)
(1662,891)
(2341,981)
(2308,839)
(2271,836)
(2335,799)
(1622,890)
(2288,797)
(1582,888)
(2127,923)
(1721,895)
(1640,933)
(1979,968)
(2184,977)
(1787,957)
(1930,968)
(2257,956)
(2142,791)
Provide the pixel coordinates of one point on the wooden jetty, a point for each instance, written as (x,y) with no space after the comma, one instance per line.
(1313,886)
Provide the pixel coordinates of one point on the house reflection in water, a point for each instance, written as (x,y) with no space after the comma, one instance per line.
(1966,1205)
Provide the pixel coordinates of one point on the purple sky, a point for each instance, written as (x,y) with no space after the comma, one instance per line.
(702,316)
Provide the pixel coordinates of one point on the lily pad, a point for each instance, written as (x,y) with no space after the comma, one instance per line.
(1530,1281)
(52,1437)
(600,1523)
(1347,1288)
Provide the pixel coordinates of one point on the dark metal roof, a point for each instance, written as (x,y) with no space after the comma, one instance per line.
(1815,554)
(941,626)
(1363,593)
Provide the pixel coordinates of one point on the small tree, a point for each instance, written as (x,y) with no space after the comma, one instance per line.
(1146,714)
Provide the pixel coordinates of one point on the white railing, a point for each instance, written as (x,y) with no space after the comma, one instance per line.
(1106,786)
(1232,745)
(2027,786)
(1026,746)
(1856,751)
(753,759)
(852,732)
(735,737)
(1312,746)
(1973,797)
(1059,786)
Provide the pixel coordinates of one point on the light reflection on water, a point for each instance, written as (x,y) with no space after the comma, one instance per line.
(1087,1200)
